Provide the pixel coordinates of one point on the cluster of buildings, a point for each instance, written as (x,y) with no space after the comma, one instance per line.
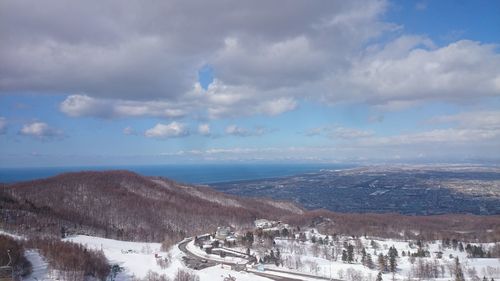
(269,225)
(222,236)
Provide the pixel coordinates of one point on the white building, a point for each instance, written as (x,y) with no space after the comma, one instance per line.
(263,223)
(222,232)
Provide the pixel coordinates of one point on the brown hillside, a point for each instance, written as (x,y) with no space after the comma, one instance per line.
(125,205)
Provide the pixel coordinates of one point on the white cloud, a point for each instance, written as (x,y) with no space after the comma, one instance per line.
(174,129)
(409,71)
(83,105)
(124,56)
(350,133)
(204,129)
(278,106)
(339,132)
(39,130)
(450,136)
(127,67)
(487,119)
(129,131)
(234,130)
(267,57)
(3,125)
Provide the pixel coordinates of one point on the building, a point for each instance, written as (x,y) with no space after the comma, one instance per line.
(222,232)
(263,223)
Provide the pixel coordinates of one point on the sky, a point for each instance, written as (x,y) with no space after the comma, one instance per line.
(177,82)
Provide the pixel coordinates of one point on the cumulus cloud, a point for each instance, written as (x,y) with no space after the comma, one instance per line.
(349,133)
(487,119)
(126,64)
(266,57)
(40,130)
(223,100)
(278,106)
(339,132)
(204,129)
(410,70)
(174,129)
(3,125)
(234,130)
(84,105)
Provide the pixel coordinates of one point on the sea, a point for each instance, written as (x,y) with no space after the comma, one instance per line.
(194,174)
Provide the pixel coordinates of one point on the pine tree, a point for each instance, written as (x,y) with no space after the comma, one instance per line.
(381,263)
(363,256)
(344,255)
(459,275)
(392,263)
(350,253)
(393,253)
(369,261)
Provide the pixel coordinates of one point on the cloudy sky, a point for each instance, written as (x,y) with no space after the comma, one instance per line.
(148,82)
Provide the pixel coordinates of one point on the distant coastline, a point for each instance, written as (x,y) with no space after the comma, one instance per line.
(194,173)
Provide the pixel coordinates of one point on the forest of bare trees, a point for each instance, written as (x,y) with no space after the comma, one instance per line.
(123,205)
(74,261)
(462,227)
(20,265)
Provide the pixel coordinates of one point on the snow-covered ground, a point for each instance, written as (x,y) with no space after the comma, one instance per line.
(316,259)
(138,258)
(218,272)
(39,265)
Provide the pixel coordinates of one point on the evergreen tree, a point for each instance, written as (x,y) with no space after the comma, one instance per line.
(363,256)
(344,255)
(459,275)
(393,254)
(392,263)
(350,253)
(369,261)
(381,263)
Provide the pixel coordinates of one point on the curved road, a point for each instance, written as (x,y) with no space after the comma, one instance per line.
(268,273)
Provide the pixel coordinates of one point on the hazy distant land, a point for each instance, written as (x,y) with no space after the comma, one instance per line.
(420,190)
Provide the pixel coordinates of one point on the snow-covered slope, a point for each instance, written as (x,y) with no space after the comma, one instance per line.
(139,258)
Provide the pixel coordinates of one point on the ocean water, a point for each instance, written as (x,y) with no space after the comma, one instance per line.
(195,174)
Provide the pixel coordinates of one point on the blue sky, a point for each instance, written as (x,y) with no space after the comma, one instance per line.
(334,81)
